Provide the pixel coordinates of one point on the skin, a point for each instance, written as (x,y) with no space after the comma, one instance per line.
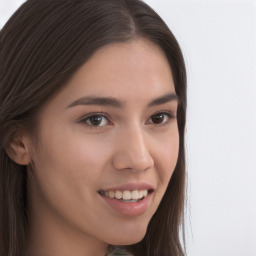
(74,159)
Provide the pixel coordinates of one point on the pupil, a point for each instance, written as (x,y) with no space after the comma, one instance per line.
(95,120)
(158,119)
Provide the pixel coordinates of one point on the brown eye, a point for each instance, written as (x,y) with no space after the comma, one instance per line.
(96,120)
(160,118)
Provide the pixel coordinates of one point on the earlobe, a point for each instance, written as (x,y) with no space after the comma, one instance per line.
(18,150)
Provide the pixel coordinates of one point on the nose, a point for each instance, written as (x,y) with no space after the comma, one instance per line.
(132,152)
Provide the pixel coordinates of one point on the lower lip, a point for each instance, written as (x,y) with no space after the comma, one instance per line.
(129,208)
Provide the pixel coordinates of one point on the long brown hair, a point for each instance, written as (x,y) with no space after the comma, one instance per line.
(41,46)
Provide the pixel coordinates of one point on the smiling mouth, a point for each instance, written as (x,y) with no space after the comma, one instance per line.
(126,195)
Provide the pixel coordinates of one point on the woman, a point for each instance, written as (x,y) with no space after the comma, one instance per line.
(93,102)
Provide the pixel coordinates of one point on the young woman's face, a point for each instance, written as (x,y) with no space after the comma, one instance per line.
(111,132)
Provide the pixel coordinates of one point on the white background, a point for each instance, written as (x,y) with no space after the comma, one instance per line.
(218,39)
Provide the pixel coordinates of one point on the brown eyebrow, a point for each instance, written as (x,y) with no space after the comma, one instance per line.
(113,102)
(102,101)
(164,99)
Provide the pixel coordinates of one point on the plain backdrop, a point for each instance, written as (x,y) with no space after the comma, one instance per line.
(218,39)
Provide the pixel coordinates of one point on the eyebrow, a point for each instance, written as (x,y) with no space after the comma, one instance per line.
(113,102)
(164,99)
(101,101)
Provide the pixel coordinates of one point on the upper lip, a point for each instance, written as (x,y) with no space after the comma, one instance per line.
(131,186)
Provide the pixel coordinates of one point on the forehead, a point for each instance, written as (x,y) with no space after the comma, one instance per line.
(133,71)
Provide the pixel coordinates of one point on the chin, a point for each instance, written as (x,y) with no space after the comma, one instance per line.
(128,241)
(128,237)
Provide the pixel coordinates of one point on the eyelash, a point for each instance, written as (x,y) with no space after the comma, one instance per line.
(169,115)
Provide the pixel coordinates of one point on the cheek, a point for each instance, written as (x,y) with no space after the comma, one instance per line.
(166,155)
(67,172)
(68,165)
(71,152)
(89,154)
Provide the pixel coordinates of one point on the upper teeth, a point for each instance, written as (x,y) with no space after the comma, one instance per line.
(126,194)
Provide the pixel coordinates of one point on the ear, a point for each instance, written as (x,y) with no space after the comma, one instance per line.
(18,150)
